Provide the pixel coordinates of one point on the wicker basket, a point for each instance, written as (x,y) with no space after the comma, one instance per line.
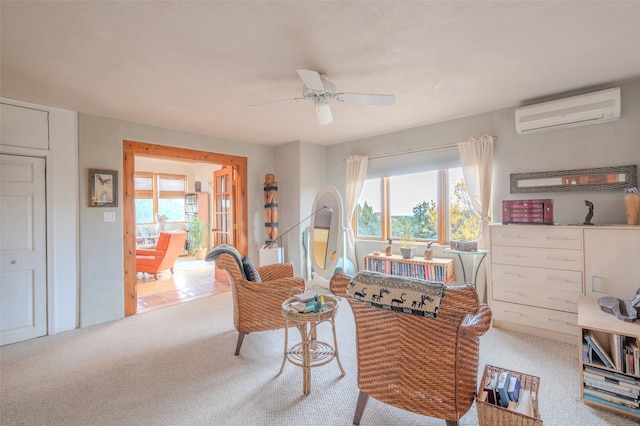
(491,414)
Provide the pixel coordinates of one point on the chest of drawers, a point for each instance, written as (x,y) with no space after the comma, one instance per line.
(536,278)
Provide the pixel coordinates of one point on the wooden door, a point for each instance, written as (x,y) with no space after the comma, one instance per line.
(23,252)
(224,206)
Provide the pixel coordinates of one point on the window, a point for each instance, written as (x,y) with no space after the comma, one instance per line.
(434,205)
(159,193)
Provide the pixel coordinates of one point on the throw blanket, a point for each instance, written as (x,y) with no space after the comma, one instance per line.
(401,294)
(230,250)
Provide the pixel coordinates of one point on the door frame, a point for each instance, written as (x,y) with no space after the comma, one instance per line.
(130,149)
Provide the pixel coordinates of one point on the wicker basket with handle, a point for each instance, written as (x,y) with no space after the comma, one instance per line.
(492,414)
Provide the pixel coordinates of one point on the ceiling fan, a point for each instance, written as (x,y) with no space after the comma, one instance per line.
(317,88)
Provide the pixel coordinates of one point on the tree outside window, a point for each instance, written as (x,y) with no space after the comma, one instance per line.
(413,204)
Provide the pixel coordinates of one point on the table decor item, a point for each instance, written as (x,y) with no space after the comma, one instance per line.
(408,244)
(632,205)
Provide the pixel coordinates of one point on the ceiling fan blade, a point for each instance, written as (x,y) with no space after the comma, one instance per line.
(281,101)
(323,112)
(366,98)
(311,79)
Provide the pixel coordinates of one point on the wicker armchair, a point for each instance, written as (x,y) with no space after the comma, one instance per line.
(426,366)
(257,306)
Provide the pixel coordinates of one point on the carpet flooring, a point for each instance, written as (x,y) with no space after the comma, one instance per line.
(175,366)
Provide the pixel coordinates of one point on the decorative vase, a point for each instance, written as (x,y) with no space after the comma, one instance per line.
(632,204)
(408,252)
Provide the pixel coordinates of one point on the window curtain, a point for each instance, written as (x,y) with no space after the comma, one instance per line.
(476,157)
(354,181)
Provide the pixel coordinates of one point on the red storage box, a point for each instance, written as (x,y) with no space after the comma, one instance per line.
(527,211)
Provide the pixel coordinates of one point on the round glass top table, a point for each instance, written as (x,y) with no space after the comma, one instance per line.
(474,253)
(310,352)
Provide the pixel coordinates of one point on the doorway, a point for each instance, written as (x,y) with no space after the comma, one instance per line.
(130,150)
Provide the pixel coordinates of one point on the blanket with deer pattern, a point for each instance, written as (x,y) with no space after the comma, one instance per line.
(401,294)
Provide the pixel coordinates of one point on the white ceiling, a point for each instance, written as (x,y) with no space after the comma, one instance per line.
(197,65)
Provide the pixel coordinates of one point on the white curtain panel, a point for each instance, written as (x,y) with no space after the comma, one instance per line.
(354,181)
(476,157)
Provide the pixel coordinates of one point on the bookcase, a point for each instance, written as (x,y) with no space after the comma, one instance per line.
(433,270)
(613,384)
(196,204)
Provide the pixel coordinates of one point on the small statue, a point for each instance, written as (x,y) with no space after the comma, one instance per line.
(389,250)
(587,219)
(625,310)
(428,253)
(162,223)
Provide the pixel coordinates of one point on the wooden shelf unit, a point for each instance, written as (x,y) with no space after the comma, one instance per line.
(592,319)
(196,204)
(432,270)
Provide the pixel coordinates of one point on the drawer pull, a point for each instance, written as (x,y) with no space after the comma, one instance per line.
(561,259)
(561,300)
(557,237)
(558,321)
(513,313)
(512,274)
(515,293)
(512,255)
(562,280)
(511,236)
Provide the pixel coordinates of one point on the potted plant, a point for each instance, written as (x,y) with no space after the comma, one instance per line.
(407,244)
(197,238)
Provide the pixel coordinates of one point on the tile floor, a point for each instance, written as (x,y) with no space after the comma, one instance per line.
(191,280)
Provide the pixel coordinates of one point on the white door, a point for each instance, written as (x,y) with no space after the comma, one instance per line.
(23,255)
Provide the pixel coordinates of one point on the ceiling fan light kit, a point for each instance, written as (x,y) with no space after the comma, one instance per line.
(317,88)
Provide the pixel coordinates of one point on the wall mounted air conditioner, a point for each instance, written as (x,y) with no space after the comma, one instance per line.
(579,110)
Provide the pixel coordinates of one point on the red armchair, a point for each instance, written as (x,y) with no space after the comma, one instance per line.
(163,256)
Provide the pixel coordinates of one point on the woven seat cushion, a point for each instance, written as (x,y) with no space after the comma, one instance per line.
(401,294)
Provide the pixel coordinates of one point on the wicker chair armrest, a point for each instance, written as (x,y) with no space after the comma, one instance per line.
(290,285)
(479,323)
(339,283)
(275,271)
(150,252)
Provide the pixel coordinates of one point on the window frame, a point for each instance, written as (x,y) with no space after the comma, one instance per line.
(442,209)
(155,192)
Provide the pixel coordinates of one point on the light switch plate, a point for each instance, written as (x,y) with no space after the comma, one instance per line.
(108,216)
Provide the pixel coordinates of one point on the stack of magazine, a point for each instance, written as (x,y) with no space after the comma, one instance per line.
(620,389)
(613,389)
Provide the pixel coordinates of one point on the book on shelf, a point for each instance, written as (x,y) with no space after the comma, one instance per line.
(629,400)
(601,401)
(587,352)
(612,398)
(602,353)
(635,355)
(613,377)
(611,387)
(615,348)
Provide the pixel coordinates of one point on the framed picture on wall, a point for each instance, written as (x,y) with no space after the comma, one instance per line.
(103,188)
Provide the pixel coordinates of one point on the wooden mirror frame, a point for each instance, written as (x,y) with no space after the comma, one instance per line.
(596,179)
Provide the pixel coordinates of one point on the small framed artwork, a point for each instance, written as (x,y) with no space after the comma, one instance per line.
(103,188)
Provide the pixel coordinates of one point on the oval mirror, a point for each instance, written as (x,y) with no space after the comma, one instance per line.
(326,232)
